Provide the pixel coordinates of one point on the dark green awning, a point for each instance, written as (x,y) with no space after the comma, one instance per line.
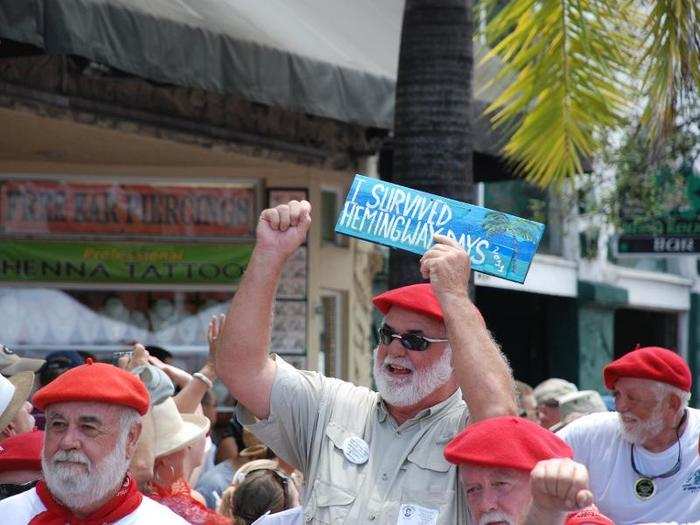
(331,58)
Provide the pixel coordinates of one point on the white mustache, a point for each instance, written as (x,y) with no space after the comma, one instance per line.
(399,361)
(495,516)
(74,456)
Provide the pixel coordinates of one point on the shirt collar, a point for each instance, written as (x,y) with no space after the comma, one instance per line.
(446,404)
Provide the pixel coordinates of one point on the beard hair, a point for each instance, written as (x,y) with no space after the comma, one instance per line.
(494,516)
(643,430)
(77,489)
(409,391)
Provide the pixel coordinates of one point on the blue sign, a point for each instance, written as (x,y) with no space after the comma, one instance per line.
(499,244)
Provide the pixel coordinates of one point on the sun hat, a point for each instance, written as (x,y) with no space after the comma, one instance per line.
(98,383)
(11,363)
(505,442)
(14,392)
(653,362)
(552,389)
(175,431)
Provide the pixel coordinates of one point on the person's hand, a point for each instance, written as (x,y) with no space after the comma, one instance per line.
(560,485)
(447,266)
(214,331)
(138,357)
(282,229)
(176,375)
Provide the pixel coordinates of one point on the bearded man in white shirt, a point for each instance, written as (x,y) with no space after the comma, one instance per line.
(93,422)
(643,460)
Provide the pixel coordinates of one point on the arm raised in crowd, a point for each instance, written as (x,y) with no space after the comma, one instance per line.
(243,363)
(481,370)
(558,486)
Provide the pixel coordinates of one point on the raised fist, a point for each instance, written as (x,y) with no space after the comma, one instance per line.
(282,229)
(560,485)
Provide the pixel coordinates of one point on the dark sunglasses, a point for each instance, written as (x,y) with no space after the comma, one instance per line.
(12,489)
(409,341)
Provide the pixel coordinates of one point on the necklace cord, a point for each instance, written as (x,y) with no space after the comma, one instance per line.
(674,470)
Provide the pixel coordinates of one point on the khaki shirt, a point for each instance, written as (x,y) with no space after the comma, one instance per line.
(406,473)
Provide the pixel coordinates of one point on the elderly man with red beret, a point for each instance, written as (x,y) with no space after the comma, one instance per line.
(514,472)
(368,457)
(93,422)
(643,460)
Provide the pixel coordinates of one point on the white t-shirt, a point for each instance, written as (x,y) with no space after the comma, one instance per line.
(598,444)
(20,509)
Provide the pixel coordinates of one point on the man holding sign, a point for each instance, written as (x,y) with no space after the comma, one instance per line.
(368,457)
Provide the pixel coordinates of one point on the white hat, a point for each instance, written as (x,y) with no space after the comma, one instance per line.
(175,431)
(14,392)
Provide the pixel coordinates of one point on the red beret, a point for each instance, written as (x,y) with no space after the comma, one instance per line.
(418,298)
(22,452)
(96,383)
(652,362)
(588,516)
(505,442)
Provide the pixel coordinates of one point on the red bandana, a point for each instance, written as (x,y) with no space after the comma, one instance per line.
(122,504)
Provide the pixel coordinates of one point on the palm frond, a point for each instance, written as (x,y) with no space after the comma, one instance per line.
(569,60)
(670,61)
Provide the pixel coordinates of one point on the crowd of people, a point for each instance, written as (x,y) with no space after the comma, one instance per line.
(447,437)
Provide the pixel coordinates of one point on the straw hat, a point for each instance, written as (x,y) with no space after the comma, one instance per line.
(175,431)
(11,363)
(14,392)
(254,452)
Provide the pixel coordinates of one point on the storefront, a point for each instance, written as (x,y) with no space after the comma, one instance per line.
(96,254)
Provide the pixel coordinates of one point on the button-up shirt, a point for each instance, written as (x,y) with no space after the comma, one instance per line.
(405,474)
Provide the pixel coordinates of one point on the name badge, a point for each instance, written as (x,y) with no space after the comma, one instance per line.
(356,450)
(412,514)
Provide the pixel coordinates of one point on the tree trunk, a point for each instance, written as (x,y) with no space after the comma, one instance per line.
(432,123)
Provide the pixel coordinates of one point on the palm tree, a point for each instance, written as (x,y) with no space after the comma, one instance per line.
(432,128)
(580,66)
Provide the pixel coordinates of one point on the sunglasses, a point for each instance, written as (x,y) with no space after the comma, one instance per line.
(408,340)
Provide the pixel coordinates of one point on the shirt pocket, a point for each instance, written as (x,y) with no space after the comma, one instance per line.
(337,480)
(429,479)
(335,468)
(331,504)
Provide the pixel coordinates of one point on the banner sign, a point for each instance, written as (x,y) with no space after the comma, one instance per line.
(657,245)
(123,262)
(499,244)
(42,207)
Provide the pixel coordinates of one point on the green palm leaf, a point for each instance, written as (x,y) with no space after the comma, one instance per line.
(569,60)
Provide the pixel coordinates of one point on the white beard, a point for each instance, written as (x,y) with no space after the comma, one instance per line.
(642,431)
(495,516)
(78,489)
(409,391)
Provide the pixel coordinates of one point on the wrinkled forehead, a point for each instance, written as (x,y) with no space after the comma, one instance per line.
(81,409)
(638,385)
(406,320)
(473,474)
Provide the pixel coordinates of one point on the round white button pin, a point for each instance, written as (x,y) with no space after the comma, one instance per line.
(356,450)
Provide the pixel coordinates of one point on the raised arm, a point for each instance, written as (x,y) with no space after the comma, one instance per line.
(242,362)
(481,370)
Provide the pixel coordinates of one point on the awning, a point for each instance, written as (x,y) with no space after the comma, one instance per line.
(330,58)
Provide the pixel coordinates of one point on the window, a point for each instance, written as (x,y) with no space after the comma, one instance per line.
(332,346)
(331,200)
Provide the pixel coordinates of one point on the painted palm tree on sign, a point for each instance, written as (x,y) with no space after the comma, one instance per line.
(522,231)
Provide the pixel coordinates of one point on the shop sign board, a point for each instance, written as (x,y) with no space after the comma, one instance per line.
(673,231)
(499,244)
(195,212)
(122,262)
